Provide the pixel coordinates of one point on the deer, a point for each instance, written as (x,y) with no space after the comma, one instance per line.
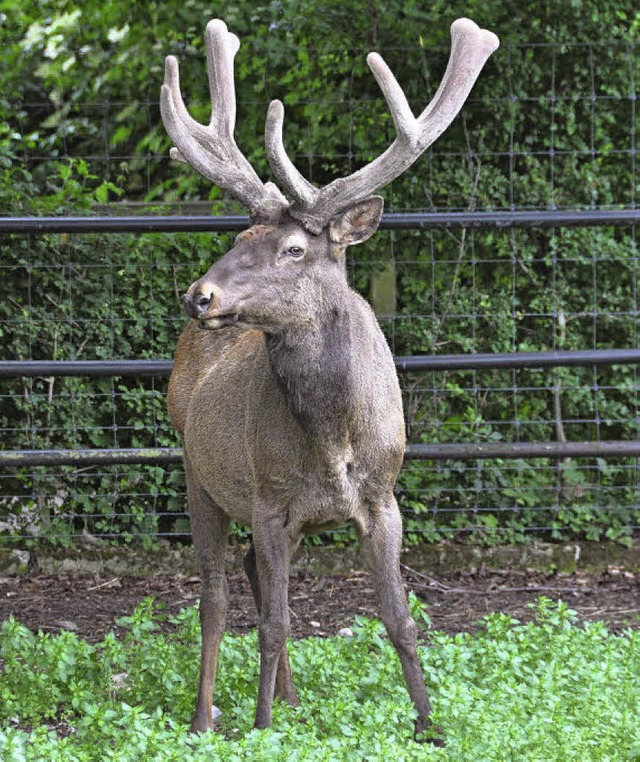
(284,389)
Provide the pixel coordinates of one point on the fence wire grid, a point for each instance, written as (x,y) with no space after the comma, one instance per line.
(568,141)
(560,119)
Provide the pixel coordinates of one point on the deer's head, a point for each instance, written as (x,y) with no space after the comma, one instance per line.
(297,241)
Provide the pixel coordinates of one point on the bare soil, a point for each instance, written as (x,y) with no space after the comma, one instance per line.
(91,606)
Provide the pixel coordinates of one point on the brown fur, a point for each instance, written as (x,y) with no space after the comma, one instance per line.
(291,415)
(289,405)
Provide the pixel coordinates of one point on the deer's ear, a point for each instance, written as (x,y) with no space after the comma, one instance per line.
(357,223)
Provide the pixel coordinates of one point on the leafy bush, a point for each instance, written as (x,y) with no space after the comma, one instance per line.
(548,125)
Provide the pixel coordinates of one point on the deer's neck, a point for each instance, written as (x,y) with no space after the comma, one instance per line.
(316,367)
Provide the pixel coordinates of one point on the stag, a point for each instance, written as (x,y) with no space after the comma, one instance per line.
(288,402)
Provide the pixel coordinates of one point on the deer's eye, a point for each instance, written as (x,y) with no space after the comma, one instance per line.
(295,252)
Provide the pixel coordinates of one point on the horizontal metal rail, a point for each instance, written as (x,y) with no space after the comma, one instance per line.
(416,221)
(102,368)
(515,450)
(584,357)
(92,368)
(488,450)
(142,456)
(392,221)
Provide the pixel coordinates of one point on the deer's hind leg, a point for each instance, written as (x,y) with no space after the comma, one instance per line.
(381,541)
(272,553)
(209,526)
(285,688)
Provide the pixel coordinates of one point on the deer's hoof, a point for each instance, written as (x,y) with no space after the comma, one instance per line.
(426,732)
(262,722)
(288,695)
(201,723)
(198,726)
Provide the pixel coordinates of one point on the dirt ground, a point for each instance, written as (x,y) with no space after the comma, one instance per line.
(90,606)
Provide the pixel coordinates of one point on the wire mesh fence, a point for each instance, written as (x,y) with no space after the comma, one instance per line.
(565,139)
(494,499)
(551,104)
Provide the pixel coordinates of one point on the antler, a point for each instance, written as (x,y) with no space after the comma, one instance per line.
(313,207)
(211,150)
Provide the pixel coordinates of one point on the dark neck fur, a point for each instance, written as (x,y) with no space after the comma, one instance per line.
(314,368)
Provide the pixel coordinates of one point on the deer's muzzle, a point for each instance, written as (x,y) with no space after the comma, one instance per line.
(200,298)
(202,302)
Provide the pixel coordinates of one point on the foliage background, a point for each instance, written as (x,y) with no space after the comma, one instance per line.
(550,124)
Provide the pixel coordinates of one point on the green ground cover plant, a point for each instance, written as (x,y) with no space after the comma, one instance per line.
(547,691)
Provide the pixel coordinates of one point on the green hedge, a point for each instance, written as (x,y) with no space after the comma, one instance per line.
(550,123)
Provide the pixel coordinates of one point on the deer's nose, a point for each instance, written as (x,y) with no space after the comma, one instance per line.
(199,298)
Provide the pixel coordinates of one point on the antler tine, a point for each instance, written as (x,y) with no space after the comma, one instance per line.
(401,112)
(221,46)
(281,165)
(470,49)
(211,150)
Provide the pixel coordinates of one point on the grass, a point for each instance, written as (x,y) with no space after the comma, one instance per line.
(547,690)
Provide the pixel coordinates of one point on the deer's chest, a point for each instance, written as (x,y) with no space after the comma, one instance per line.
(317,494)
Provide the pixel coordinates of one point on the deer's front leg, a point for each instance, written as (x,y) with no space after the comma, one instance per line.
(285,689)
(273,551)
